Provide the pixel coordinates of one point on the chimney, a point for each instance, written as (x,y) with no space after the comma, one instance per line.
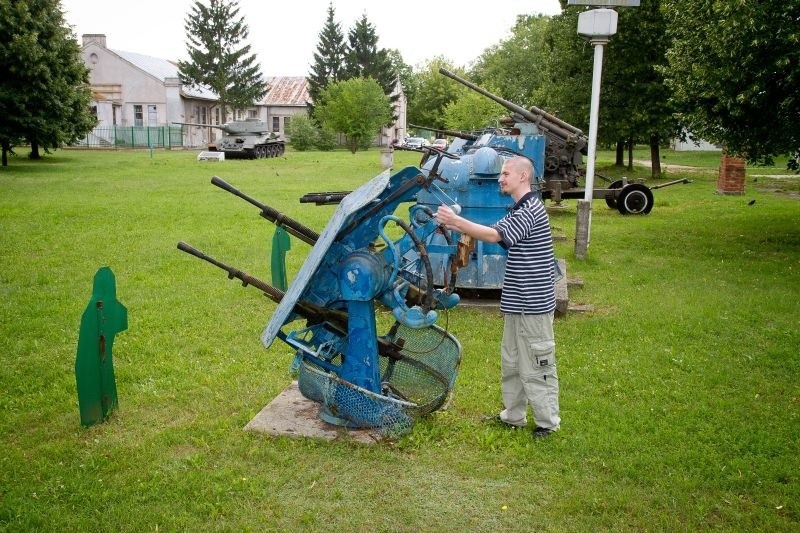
(98,38)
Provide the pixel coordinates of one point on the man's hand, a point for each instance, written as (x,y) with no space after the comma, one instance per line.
(446,217)
(450,220)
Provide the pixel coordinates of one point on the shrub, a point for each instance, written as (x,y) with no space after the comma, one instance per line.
(326,139)
(303,133)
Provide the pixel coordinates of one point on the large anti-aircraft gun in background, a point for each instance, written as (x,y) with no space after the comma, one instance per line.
(250,138)
(565,147)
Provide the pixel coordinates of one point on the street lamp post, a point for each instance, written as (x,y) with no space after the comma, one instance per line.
(597,25)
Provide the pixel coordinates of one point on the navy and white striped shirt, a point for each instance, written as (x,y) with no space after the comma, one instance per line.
(529,281)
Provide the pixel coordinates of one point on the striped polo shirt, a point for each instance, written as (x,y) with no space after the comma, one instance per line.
(529,281)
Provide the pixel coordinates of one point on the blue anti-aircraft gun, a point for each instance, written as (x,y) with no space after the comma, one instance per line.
(465,177)
(360,378)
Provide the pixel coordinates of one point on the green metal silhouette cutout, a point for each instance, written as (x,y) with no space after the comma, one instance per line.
(280,245)
(103,318)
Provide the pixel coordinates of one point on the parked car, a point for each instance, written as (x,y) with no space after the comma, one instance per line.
(416,142)
(441,144)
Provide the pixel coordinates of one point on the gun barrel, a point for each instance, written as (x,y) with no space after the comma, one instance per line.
(451,133)
(292,226)
(307,310)
(273,293)
(324,198)
(534,114)
(217,126)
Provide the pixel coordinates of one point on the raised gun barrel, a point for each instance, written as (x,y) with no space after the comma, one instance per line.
(313,313)
(309,311)
(273,293)
(534,114)
(451,133)
(565,142)
(292,226)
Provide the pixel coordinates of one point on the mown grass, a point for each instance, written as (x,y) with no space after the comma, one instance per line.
(680,393)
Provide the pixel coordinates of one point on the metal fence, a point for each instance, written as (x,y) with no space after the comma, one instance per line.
(133,137)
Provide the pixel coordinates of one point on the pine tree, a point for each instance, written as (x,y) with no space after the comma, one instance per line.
(44,93)
(329,57)
(365,60)
(216,59)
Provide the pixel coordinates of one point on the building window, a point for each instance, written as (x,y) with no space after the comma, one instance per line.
(152,115)
(286,122)
(203,115)
(216,115)
(252,113)
(138,115)
(276,123)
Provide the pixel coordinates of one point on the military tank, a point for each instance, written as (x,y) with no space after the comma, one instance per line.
(249,138)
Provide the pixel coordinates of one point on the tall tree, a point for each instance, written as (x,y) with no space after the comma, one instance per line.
(328,58)
(634,98)
(473,111)
(364,59)
(44,92)
(734,69)
(516,66)
(568,82)
(356,107)
(402,69)
(217,60)
(431,92)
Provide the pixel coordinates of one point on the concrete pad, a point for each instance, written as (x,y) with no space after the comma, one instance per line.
(293,415)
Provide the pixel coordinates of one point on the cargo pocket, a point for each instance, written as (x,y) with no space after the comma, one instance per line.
(544,354)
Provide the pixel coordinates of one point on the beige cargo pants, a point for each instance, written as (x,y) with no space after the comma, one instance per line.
(528,370)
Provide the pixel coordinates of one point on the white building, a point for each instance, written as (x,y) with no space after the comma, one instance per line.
(138,99)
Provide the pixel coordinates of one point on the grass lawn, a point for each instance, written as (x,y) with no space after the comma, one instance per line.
(680,390)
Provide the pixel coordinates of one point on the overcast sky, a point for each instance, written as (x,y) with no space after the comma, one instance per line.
(284,34)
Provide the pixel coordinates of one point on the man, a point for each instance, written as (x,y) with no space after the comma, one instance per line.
(527,301)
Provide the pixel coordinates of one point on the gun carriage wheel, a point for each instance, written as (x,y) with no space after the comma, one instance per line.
(635,199)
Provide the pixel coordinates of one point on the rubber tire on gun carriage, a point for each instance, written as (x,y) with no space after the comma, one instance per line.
(635,199)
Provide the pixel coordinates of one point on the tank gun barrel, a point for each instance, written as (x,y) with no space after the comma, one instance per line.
(451,133)
(217,126)
(534,114)
(292,226)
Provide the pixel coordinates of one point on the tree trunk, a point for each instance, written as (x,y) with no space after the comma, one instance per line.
(630,154)
(655,157)
(34,151)
(5,155)
(620,161)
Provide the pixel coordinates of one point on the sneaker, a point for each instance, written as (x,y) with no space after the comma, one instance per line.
(499,421)
(541,433)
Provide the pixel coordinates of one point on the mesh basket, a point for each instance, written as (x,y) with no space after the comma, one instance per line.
(414,385)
